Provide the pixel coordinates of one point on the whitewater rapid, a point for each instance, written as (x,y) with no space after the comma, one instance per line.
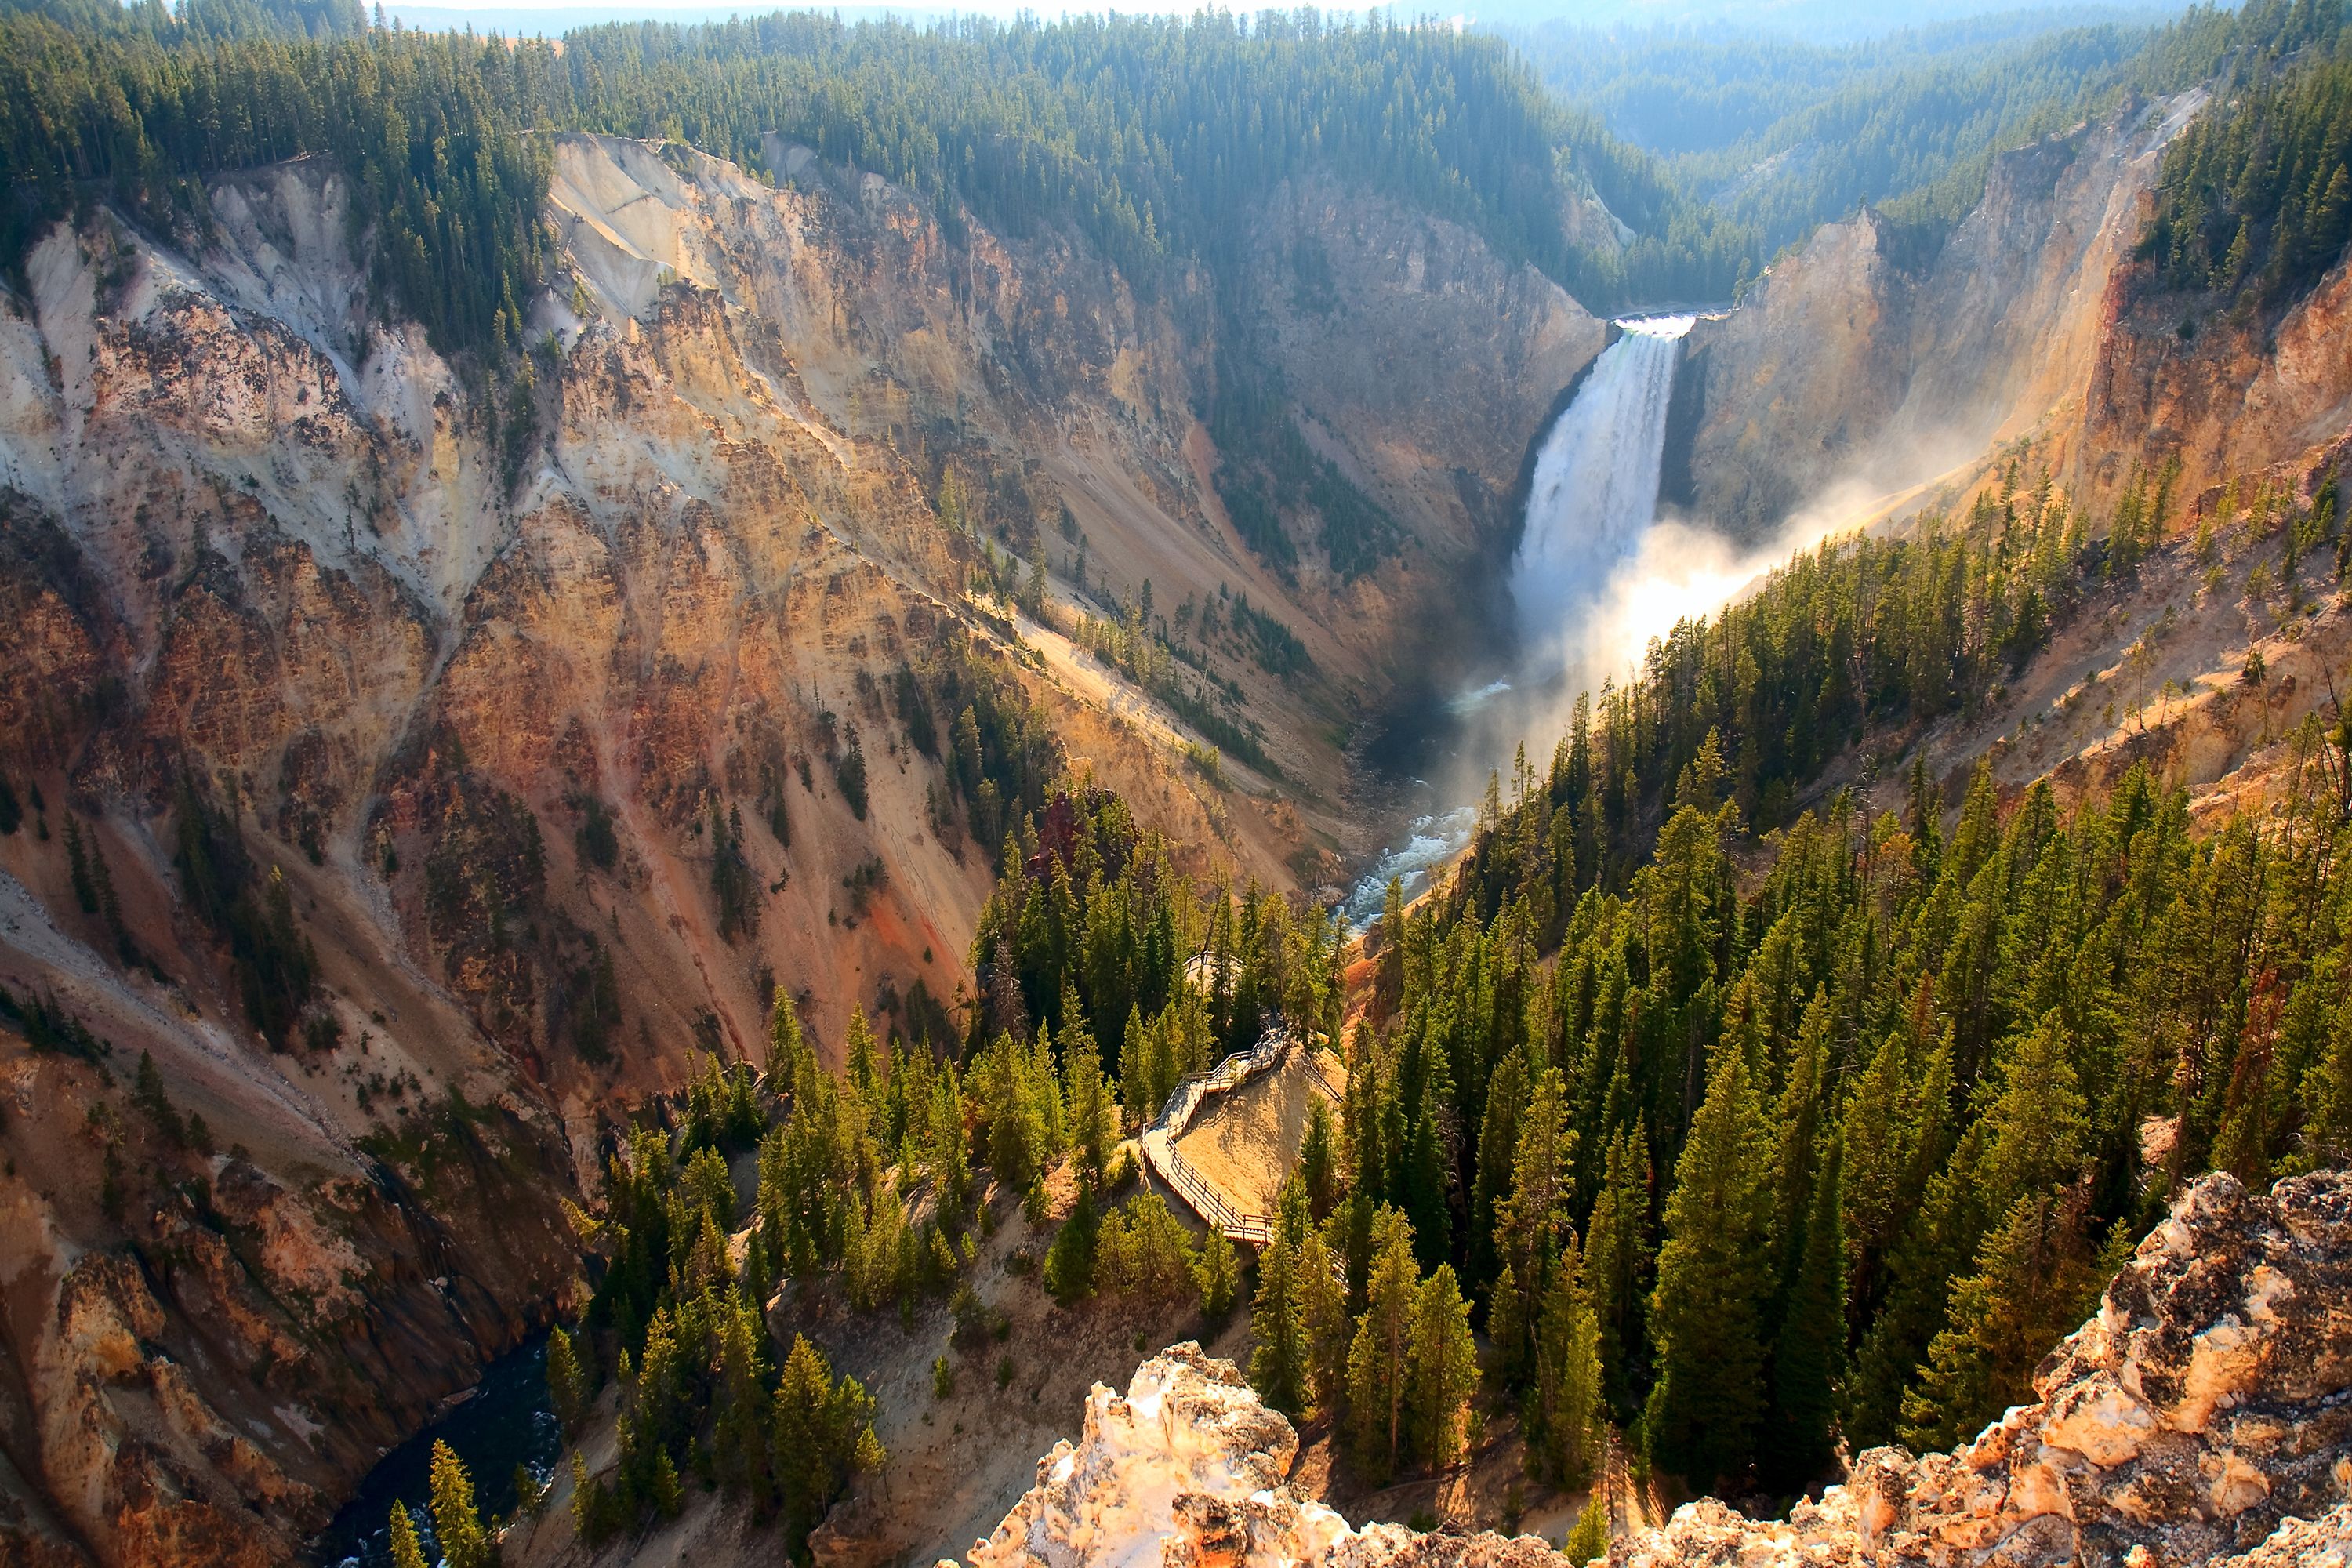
(1591,502)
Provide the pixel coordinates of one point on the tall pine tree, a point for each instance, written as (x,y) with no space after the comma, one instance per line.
(1715,1282)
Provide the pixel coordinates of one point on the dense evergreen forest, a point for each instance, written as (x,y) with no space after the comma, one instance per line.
(1144,134)
(1757,138)
(1833,1131)
(2255,202)
(1740,1127)
(1147,135)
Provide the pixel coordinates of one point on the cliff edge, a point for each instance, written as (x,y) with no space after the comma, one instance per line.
(2203,1416)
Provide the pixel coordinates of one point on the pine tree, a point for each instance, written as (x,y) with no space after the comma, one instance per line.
(1528,1224)
(1017,1132)
(1144,1251)
(1715,1279)
(857,1051)
(1443,1368)
(1810,1344)
(1138,1081)
(1218,1272)
(1319,1160)
(662,1491)
(567,1386)
(2241,1144)
(1352,1238)
(1499,1139)
(1424,1090)
(1376,1359)
(2039,1122)
(1935,1246)
(1048,1110)
(1388,976)
(1069,1271)
(1589,1540)
(1891,1137)
(1797,1117)
(1323,1314)
(740,1433)
(819,1435)
(1278,1367)
(1615,1256)
(2036,1277)
(2328,1094)
(1927,822)
(1094,1126)
(463,1543)
(946,1150)
(787,1050)
(407,1552)
(591,1504)
(1565,1404)
(1508,1328)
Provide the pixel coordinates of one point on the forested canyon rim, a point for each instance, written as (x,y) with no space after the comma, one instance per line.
(2213,1369)
(527,574)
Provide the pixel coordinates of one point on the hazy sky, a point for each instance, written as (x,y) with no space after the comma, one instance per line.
(1826,20)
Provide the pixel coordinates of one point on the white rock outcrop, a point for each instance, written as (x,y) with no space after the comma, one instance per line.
(1186,1470)
(2203,1418)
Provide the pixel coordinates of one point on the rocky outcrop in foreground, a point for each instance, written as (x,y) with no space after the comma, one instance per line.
(2203,1416)
(1187,1469)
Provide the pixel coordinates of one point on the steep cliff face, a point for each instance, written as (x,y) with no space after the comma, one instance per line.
(1422,359)
(205,1355)
(2177,381)
(2201,1417)
(1849,370)
(460,753)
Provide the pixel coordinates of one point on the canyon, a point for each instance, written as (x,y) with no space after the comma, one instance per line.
(492,684)
(471,702)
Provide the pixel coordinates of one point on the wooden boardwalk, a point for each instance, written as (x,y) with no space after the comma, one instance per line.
(1159,1151)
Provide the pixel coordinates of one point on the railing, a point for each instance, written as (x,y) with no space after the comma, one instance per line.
(1159,1138)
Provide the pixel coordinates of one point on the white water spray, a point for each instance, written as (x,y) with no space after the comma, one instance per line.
(1590,508)
(1596,489)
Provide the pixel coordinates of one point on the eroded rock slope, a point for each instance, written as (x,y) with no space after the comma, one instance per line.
(1858,370)
(462,751)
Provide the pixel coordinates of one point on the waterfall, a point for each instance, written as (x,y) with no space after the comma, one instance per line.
(1596,485)
(1594,496)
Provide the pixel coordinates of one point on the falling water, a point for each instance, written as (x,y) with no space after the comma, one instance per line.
(1594,496)
(1596,485)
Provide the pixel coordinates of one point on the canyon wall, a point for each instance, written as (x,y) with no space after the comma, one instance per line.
(412,716)
(1855,373)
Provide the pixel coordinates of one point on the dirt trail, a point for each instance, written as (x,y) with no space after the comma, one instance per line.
(1246,1142)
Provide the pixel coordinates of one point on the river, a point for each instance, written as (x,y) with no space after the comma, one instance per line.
(507,1422)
